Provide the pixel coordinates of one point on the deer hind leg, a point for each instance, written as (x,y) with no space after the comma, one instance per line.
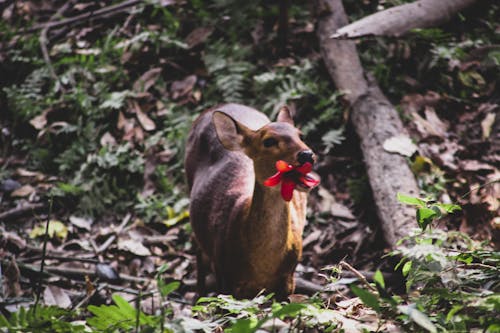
(201,272)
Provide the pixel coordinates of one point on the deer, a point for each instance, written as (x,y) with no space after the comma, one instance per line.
(245,231)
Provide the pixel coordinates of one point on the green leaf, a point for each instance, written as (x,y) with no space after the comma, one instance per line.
(247,325)
(425,217)
(452,312)
(4,322)
(449,208)
(379,278)
(406,199)
(166,289)
(289,310)
(367,297)
(418,317)
(493,328)
(406,268)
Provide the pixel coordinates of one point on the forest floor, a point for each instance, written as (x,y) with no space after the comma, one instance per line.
(95,114)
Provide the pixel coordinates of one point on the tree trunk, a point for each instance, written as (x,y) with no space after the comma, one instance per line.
(375,120)
(398,20)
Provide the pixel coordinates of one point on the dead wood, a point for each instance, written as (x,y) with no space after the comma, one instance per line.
(14,213)
(374,119)
(398,20)
(100,13)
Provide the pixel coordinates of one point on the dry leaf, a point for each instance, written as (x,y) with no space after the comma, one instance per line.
(487,124)
(474,165)
(30,174)
(81,222)
(198,36)
(183,87)
(133,246)
(12,275)
(54,295)
(438,126)
(400,144)
(40,121)
(107,139)
(143,118)
(23,191)
(147,80)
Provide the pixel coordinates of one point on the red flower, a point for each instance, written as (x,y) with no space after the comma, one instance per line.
(291,176)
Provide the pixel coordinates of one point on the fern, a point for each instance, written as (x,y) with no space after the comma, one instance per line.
(122,315)
(231,73)
(26,98)
(42,319)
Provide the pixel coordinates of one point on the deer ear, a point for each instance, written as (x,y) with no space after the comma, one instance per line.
(232,134)
(285,115)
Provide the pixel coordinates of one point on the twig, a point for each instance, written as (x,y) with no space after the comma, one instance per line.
(44,41)
(19,211)
(360,276)
(112,238)
(69,272)
(114,9)
(44,251)
(61,258)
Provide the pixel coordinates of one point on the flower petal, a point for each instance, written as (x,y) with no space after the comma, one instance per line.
(308,181)
(283,166)
(287,187)
(273,180)
(304,168)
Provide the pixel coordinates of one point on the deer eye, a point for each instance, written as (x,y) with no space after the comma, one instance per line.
(270,142)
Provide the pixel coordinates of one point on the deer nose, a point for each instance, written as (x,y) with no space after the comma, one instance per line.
(305,156)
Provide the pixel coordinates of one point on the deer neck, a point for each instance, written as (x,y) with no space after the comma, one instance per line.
(269,222)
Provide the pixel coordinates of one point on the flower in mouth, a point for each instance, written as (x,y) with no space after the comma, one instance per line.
(290,176)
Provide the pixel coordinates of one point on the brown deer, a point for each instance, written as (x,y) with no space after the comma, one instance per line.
(246,231)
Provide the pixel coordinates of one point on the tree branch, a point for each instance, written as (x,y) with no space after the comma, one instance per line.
(398,20)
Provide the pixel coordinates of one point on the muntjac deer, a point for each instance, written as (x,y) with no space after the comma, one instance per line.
(250,233)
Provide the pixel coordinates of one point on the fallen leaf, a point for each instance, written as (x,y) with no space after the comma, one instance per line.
(147,80)
(107,140)
(53,295)
(11,284)
(133,246)
(198,36)
(40,121)
(56,229)
(81,222)
(487,124)
(474,165)
(183,87)
(438,126)
(23,191)
(12,238)
(400,144)
(106,272)
(426,128)
(143,118)
(21,172)
(329,204)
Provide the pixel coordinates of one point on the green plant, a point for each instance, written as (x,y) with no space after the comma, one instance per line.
(452,281)
(42,319)
(121,317)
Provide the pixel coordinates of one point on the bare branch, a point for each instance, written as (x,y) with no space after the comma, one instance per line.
(398,20)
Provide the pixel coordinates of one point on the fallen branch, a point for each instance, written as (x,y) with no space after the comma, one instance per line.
(80,273)
(110,10)
(13,213)
(398,20)
(374,119)
(360,276)
(44,41)
(113,237)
